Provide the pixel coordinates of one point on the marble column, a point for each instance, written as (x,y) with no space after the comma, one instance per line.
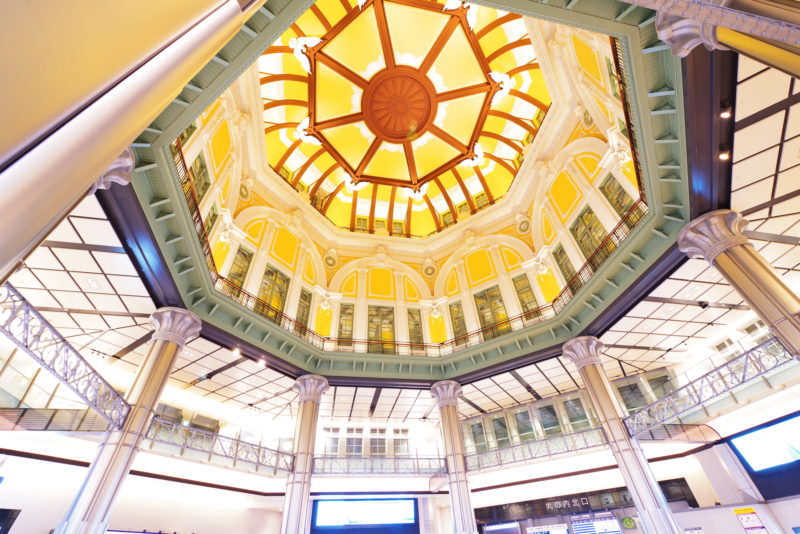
(296,508)
(467,300)
(296,283)
(401,333)
(717,237)
(361,312)
(446,393)
(654,512)
(504,283)
(91,509)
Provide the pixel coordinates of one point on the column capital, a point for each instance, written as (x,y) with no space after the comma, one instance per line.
(713,233)
(684,34)
(311,387)
(446,393)
(177,325)
(583,351)
(118,172)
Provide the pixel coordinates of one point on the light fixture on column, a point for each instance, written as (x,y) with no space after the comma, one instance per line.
(262,362)
(725,112)
(724,153)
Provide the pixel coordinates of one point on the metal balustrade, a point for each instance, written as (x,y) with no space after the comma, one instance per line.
(739,371)
(33,334)
(209,444)
(337,465)
(54,420)
(434,350)
(532,450)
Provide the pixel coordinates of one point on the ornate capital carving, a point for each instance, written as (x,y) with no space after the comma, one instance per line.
(583,351)
(176,325)
(446,393)
(683,35)
(311,387)
(118,173)
(713,233)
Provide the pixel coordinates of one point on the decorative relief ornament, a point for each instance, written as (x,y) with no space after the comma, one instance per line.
(429,268)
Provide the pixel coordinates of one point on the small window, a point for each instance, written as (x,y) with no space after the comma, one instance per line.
(201,181)
(303,312)
(377,442)
(463,208)
(619,199)
(397,228)
(548,417)
(447,218)
(478,436)
(241,263)
(576,414)
(331,441)
(661,386)
(500,428)
(415,329)
(527,300)
(563,262)
(345,324)
(362,223)
(481,200)
(354,443)
(400,442)
(380,224)
(211,218)
(632,396)
(458,323)
(524,426)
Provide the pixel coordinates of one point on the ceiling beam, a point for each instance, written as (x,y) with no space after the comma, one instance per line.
(701,303)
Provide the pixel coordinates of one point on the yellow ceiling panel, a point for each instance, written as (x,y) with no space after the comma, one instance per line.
(310,24)
(341,96)
(358,46)
(456,65)
(339,211)
(410,48)
(430,152)
(351,140)
(458,116)
(389,161)
(587,59)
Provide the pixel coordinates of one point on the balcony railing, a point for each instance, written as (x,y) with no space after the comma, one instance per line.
(34,335)
(532,450)
(612,241)
(740,371)
(56,420)
(208,445)
(337,465)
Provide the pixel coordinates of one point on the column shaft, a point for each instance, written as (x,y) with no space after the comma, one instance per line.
(718,238)
(91,509)
(654,512)
(296,508)
(446,394)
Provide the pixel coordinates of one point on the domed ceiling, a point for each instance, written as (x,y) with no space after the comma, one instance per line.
(401,117)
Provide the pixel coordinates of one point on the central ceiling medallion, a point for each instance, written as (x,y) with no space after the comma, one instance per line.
(399,92)
(399,104)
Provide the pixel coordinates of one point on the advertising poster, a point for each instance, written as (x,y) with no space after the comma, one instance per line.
(582,524)
(606,523)
(750,521)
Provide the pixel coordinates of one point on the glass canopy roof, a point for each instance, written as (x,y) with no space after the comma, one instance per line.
(401,116)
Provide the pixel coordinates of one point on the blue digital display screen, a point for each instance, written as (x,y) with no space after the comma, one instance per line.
(775,445)
(337,513)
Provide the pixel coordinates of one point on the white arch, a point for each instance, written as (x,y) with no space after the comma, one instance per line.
(511,242)
(556,165)
(256,213)
(372,261)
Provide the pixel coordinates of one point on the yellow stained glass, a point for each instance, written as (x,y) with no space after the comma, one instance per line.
(341,96)
(456,65)
(351,140)
(410,48)
(389,161)
(458,116)
(430,152)
(359,45)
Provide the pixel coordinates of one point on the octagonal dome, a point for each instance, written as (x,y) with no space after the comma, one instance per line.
(400,115)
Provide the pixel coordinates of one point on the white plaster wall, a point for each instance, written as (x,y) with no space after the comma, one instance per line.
(43,491)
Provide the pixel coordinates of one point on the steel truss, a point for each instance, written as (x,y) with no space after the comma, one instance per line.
(172,433)
(741,370)
(32,333)
(532,450)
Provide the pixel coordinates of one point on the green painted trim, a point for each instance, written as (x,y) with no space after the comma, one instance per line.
(663,166)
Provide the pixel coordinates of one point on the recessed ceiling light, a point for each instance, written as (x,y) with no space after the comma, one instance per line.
(262,363)
(93,283)
(725,114)
(237,352)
